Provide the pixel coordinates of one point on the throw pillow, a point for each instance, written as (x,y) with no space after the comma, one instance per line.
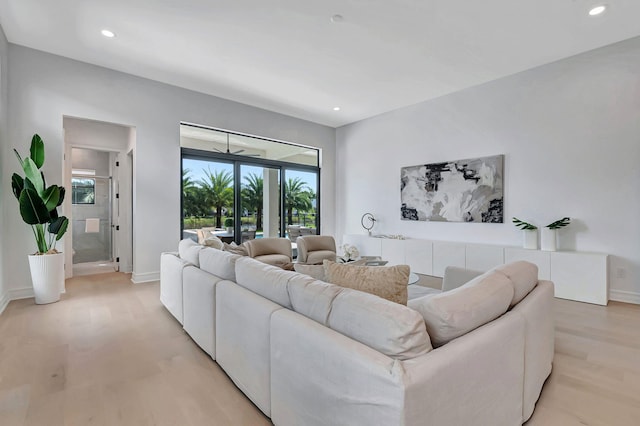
(214,242)
(388,282)
(314,271)
(236,249)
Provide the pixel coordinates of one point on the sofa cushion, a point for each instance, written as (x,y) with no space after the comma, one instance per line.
(219,263)
(274,259)
(315,271)
(317,257)
(388,282)
(266,280)
(523,276)
(390,328)
(456,312)
(312,298)
(189,250)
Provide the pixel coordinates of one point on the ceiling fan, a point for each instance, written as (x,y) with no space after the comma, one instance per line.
(228,151)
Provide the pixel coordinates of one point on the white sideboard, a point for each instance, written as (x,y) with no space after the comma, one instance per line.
(578,276)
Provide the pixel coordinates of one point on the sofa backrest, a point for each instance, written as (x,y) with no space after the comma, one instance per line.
(453,313)
(390,328)
(523,276)
(189,250)
(219,263)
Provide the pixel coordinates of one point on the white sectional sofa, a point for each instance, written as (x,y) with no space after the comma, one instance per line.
(308,352)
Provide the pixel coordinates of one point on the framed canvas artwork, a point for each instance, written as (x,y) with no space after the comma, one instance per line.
(454,191)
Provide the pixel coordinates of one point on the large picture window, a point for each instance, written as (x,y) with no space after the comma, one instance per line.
(240,187)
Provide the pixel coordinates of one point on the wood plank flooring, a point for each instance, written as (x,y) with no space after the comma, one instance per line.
(110,354)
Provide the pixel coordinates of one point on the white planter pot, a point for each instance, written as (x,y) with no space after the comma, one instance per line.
(47,275)
(549,239)
(530,239)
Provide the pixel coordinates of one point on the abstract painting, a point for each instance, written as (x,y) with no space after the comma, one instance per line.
(454,191)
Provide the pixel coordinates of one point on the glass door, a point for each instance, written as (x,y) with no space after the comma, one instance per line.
(259,202)
(207,198)
(301,203)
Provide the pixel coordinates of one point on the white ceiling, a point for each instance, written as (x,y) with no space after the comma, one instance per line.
(287,56)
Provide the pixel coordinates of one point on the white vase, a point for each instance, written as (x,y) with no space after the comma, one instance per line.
(47,275)
(549,240)
(530,239)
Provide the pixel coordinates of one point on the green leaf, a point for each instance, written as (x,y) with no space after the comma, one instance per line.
(29,184)
(37,150)
(63,228)
(32,208)
(33,174)
(51,196)
(53,214)
(55,225)
(62,192)
(18,155)
(17,184)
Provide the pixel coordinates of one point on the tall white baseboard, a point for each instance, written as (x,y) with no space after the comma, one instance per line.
(4,301)
(145,277)
(624,296)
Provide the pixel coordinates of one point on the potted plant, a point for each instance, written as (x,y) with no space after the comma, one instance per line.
(228,223)
(549,234)
(39,208)
(529,233)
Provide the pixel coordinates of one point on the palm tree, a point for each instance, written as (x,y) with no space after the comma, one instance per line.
(252,195)
(188,185)
(297,195)
(218,190)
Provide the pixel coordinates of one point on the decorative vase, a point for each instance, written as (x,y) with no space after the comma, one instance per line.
(47,275)
(549,240)
(530,239)
(229,229)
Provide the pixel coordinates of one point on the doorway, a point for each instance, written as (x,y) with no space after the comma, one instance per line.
(99,177)
(92,210)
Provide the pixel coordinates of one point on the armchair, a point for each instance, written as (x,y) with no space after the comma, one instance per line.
(313,249)
(274,251)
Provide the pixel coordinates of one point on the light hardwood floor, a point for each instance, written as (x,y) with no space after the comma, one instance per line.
(110,354)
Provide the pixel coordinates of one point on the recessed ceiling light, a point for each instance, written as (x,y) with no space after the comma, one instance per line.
(597,10)
(336,18)
(108,33)
(336,108)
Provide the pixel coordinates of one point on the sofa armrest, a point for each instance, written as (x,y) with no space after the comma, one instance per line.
(454,277)
(321,377)
(476,379)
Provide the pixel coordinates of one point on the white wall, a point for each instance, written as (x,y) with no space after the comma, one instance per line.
(570,132)
(5,176)
(45,87)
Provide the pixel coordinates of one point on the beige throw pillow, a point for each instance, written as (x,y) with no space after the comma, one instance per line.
(388,282)
(213,242)
(235,249)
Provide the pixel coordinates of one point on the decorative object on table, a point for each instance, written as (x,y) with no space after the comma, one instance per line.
(454,191)
(39,208)
(550,234)
(351,253)
(529,233)
(367,221)
(390,236)
(228,223)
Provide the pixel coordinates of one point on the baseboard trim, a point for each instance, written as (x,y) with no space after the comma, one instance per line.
(624,296)
(145,277)
(4,301)
(21,293)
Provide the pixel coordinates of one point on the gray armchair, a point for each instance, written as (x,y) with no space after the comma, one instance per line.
(313,249)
